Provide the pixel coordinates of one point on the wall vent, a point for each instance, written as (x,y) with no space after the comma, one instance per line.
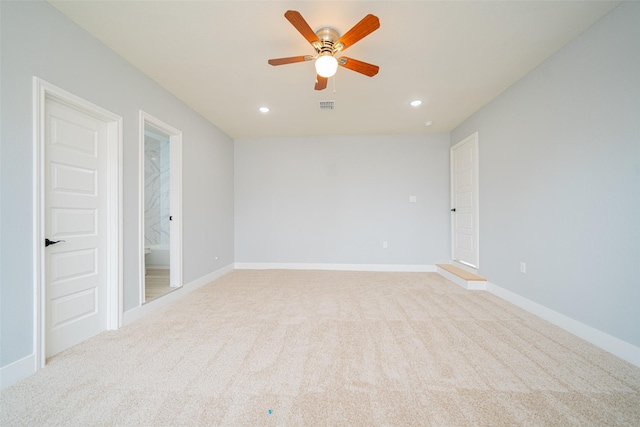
(327,105)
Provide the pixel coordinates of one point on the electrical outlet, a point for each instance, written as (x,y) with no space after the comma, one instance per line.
(523,267)
(412,199)
(384,245)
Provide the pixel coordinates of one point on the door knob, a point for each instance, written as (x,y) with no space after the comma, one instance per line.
(48,242)
(453,210)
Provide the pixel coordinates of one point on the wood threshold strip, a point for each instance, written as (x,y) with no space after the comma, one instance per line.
(463,274)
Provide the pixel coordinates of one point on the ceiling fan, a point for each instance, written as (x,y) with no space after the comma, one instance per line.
(327,43)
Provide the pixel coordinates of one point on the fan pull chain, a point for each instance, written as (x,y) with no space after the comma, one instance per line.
(335,76)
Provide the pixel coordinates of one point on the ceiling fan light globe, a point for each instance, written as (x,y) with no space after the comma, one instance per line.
(326,66)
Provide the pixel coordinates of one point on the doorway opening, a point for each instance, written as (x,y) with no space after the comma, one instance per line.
(160,208)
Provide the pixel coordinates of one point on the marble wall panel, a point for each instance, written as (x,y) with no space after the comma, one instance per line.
(156,191)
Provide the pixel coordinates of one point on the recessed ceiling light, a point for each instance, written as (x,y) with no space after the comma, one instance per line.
(428,123)
(415,103)
(264,109)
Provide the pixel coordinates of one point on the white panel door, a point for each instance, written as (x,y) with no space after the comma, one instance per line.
(464,185)
(75,217)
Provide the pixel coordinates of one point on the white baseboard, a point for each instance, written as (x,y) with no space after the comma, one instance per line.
(18,370)
(143,310)
(156,267)
(609,343)
(410,268)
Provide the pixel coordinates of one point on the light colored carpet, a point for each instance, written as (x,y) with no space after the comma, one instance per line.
(331,348)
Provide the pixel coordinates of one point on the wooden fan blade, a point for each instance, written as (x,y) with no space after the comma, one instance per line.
(301,25)
(366,26)
(321,82)
(289,60)
(359,66)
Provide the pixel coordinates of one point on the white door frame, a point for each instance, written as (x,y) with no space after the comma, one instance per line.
(473,138)
(175,189)
(42,91)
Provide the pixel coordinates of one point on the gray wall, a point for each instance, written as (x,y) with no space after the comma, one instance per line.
(335,199)
(39,41)
(560,179)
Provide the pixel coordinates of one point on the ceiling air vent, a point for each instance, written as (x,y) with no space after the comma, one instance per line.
(327,105)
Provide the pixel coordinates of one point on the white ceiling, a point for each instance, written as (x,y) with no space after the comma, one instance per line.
(453,55)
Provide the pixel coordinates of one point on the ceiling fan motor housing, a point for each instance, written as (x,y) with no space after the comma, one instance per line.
(327,37)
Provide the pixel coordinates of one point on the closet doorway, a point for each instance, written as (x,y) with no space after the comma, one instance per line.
(160,208)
